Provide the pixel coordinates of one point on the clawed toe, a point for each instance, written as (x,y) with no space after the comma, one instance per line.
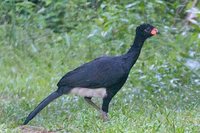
(104,116)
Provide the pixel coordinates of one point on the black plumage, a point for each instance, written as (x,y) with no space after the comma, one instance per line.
(95,74)
(102,77)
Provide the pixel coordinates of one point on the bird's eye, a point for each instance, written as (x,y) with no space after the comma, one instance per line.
(147,30)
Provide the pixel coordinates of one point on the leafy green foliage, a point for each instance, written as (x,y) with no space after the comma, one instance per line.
(40,40)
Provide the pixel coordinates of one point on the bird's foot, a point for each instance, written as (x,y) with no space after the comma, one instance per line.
(104,116)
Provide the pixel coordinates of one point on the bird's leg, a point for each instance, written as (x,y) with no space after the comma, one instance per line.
(89,101)
(103,114)
(105,107)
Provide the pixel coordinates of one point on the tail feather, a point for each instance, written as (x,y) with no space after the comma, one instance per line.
(42,105)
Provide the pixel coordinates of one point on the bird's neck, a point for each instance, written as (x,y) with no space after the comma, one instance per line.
(133,53)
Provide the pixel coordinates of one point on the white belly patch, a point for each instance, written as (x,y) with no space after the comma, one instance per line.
(87,92)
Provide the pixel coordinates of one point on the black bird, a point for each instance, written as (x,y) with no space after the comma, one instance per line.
(102,77)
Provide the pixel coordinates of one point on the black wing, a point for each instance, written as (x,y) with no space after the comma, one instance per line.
(101,72)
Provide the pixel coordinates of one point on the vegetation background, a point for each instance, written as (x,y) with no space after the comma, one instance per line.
(41,40)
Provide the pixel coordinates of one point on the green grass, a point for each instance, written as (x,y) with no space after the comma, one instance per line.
(161,94)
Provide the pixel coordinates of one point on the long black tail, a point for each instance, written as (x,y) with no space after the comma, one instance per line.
(43,104)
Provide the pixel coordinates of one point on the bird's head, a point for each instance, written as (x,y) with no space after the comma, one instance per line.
(146,30)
